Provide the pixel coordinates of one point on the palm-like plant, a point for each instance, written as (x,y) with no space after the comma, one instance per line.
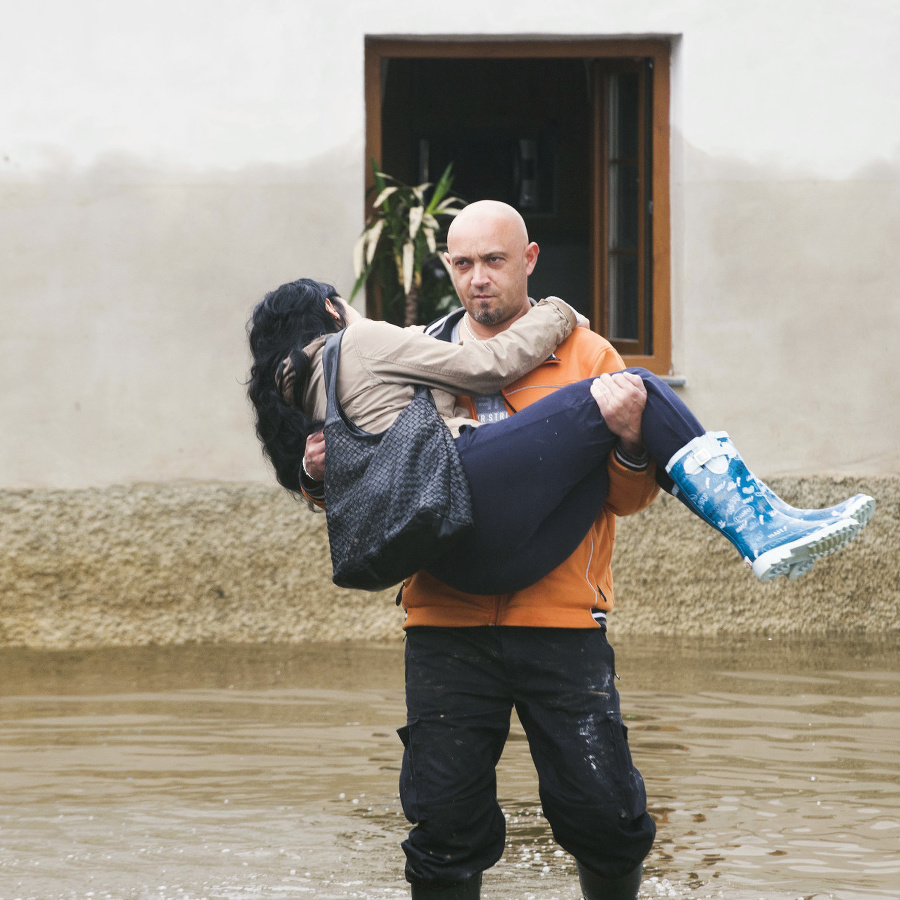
(401,236)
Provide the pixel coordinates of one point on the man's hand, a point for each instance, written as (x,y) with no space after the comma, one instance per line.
(622,398)
(314,456)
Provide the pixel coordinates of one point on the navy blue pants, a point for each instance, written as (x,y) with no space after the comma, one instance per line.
(461,686)
(539,478)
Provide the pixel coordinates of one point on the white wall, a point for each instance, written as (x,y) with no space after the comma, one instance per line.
(163,164)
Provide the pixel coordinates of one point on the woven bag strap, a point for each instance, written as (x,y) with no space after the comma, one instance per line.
(330,358)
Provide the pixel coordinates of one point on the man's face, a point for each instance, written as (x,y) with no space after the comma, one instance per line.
(490,260)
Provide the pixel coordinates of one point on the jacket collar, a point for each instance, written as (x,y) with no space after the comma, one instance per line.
(442,328)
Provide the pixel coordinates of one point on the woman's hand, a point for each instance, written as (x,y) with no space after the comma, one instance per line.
(580,320)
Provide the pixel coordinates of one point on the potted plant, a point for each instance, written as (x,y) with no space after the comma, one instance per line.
(399,248)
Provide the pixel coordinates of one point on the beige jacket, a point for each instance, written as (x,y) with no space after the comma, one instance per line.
(380,363)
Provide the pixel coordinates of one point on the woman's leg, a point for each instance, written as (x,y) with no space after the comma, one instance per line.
(539,479)
(507,560)
(708,475)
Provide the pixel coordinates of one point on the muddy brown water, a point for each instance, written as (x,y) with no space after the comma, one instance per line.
(772,768)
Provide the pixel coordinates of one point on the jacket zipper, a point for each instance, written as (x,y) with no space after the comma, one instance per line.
(595,588)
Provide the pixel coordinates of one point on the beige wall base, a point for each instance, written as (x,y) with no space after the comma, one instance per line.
(200,562)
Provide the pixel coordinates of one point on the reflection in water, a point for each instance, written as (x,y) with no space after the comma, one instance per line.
(264,772)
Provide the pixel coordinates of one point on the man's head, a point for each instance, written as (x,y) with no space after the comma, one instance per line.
(490,258)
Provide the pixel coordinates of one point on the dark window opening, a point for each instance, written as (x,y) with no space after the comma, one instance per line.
(566,135)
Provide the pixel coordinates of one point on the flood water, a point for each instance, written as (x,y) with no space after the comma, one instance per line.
(772,768)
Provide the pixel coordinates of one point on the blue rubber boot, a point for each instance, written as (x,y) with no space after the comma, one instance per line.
(859,507)
(712,480)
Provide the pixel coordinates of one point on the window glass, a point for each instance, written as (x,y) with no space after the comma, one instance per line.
(623,297)
(623,206)
(623,116)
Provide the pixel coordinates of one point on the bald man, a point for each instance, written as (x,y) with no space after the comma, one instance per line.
(471,658)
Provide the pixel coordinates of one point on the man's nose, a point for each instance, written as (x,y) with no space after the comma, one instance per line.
(480,275)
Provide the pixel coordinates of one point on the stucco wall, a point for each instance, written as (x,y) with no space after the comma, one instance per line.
(208,562)
(163,164)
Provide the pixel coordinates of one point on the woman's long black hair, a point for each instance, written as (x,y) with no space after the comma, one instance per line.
(286,319)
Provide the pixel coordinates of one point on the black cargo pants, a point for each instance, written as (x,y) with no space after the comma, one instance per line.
(461,685)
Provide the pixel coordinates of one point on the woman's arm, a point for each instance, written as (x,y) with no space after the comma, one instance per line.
(475,367)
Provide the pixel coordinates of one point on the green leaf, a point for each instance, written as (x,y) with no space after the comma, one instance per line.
(409,252)
(415,219)
(378,177)
(360,281)
(441,188)
(383,196)
(359,253)
(445,264)
(374,235)
(445,205)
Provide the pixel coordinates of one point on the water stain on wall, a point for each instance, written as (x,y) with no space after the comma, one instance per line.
(243,563)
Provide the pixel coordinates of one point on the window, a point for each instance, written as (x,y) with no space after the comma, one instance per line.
(574,134)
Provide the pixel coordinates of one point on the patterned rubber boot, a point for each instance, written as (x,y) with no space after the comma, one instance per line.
(859,507)
(714,483)
(470,889)
(595,887)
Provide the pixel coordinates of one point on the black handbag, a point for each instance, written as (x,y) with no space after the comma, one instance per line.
(395,501)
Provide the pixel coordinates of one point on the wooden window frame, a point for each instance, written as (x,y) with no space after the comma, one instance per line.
(379,49)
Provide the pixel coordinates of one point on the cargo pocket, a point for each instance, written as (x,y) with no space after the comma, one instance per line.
(408,798)
(629,784)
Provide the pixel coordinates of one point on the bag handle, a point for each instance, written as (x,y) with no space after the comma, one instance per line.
(330,358)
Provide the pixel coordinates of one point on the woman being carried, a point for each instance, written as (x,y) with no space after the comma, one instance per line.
(533,476)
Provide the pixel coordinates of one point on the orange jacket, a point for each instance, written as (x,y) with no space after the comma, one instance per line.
(565,597)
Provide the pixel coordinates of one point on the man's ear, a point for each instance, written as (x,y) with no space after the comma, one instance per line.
(531,255)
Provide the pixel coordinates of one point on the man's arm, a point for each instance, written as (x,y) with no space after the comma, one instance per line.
(622,397)
(632,474)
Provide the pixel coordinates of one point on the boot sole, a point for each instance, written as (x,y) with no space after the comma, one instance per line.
(797,558)
(862,510)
